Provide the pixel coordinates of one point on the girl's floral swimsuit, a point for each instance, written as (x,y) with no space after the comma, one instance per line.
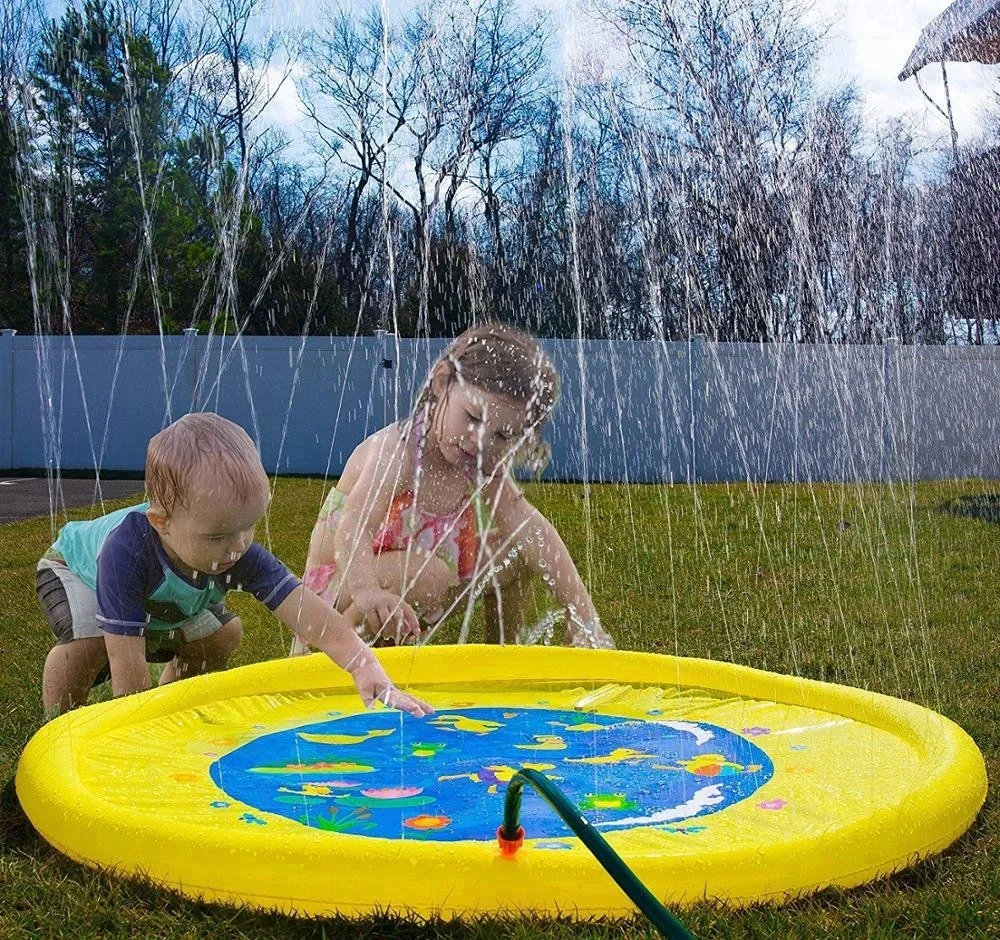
(453,537)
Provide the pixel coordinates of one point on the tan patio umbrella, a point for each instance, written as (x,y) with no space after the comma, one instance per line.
(967,31)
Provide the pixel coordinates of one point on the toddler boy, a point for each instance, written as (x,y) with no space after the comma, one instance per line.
(153,577)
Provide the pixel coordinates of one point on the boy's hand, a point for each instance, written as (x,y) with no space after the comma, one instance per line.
(388,615)
(374,685)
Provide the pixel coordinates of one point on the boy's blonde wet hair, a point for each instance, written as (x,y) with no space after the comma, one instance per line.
(194,446)
(506,361)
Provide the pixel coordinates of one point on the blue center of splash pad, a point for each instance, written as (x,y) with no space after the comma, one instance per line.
(444,778)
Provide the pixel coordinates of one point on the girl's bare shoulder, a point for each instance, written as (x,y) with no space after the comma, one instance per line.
(380,453)
(508,498)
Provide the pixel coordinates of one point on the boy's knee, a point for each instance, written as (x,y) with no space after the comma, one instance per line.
(82,656)
(69,672)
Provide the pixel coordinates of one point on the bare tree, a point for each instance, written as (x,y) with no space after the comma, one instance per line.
(20,30)
(823,223)
(502,79)
(358,95)
(973,296)
(729,79)
(243,88)
(480,73)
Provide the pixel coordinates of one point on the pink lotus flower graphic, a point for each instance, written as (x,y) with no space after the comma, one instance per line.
(391,793)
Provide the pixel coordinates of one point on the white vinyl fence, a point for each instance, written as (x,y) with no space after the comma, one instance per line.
(629,411)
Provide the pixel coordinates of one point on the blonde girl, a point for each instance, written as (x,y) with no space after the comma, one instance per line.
(427,515)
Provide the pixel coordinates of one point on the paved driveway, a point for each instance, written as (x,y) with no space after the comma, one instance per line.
(24,497)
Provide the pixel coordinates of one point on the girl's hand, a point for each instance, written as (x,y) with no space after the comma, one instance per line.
(590,634)
(374,685)
(387,615)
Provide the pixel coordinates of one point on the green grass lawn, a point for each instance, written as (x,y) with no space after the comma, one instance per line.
(869,585)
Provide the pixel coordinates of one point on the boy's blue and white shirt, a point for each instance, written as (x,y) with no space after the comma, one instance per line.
(138,588)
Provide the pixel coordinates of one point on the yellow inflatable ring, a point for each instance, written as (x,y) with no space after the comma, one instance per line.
(271,785)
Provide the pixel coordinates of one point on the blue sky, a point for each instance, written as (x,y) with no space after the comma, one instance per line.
(868,43)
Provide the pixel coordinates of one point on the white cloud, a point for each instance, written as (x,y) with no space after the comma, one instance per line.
(868,44)
(285,111)
(870,41)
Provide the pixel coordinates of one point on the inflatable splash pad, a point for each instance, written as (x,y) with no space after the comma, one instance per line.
(271,785)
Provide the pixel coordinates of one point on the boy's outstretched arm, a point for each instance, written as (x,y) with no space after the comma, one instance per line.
(323,628)
(127,661)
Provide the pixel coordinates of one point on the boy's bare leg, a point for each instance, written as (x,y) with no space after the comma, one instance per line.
(208,655)
(505,605)
(69,673)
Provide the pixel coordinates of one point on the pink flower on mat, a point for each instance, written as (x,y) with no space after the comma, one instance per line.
(391,793)
(773,804)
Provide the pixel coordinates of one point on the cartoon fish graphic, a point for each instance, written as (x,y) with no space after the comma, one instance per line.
(589,726)
(464,723)
(336,767)
(345,739)
(544,742)
(495,774)
(419,749)
(618,756)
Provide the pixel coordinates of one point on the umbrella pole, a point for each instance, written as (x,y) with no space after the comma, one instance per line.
(951,116)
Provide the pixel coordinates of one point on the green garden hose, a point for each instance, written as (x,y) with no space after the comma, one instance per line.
(510,836)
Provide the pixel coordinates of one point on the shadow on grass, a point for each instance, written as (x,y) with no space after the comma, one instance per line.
(16,831)
(823,670)
(984,506)
(885,907)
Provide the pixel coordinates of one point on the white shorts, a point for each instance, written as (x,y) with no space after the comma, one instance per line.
(70,607)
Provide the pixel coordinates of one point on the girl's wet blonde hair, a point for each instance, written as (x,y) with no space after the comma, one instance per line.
(196,446)
(505,361)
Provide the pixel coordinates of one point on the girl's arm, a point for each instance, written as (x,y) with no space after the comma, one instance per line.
(540,547)
(322,627)
(322,548)
(365,509)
